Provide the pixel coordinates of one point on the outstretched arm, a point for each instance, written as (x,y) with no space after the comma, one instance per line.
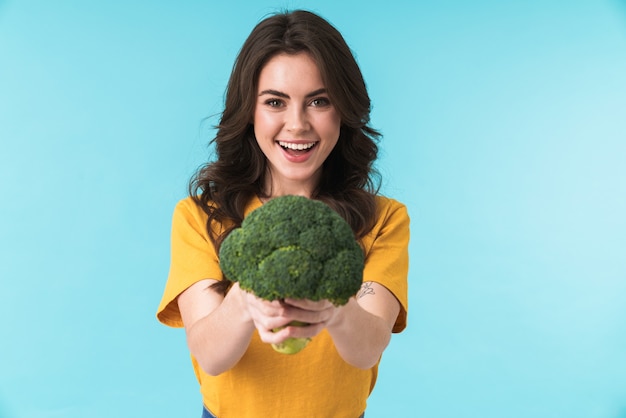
(218,327)
(360,329)
(210,317)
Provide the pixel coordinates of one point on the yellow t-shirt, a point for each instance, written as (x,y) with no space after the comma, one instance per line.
(264,383)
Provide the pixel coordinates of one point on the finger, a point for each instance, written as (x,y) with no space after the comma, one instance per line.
(262,321)
(268,308)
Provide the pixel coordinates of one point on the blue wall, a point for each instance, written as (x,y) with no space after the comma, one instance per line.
(505,134)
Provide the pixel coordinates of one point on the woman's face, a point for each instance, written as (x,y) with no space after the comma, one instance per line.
(295,124)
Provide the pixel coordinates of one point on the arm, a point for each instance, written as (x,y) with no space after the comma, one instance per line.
(361,329)
(230,320)
(218,327)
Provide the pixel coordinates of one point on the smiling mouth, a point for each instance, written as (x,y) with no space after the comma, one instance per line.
(297,147)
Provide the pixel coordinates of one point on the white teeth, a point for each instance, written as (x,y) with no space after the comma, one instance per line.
(297,147)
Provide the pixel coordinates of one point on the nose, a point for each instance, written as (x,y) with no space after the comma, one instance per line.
(297,120)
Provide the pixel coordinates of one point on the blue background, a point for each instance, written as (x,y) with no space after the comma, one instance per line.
(505,134)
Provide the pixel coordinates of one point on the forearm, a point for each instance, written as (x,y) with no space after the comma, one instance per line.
(220,339)
(359,336)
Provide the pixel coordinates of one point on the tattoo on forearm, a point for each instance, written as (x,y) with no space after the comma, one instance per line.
(366,289)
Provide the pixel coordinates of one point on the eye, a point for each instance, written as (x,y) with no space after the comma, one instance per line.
(274,102)
(320,102)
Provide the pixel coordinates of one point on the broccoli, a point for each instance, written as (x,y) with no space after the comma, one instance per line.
(294,247)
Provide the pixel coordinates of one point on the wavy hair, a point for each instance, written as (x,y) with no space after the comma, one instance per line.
(349,182)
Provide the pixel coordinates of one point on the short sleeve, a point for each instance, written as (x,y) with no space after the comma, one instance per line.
(387,254)
(193,258)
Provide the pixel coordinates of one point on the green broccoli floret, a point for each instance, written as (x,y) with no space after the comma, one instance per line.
(294,247)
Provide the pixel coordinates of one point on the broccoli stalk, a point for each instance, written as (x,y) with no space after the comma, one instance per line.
(294,247)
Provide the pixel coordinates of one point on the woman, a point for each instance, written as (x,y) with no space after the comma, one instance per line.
(295,122)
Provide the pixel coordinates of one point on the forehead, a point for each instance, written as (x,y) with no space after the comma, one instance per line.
(290,70)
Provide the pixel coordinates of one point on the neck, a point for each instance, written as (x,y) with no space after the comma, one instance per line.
(288,187)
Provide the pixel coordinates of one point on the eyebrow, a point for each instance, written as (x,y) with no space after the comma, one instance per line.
(286,96)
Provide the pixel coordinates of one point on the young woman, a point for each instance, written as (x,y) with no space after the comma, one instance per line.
(296,121)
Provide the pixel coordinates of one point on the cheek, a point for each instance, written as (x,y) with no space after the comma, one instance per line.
(332,127)
(265,124)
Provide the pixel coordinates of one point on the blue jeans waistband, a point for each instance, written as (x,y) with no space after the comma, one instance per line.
(207,414)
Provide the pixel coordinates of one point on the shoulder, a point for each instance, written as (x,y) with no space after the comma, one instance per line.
(188,206)
(390,209)
(388,202)
(188,214)
(392,223)
(190,211)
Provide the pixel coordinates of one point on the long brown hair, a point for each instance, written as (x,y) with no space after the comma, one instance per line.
(349,181)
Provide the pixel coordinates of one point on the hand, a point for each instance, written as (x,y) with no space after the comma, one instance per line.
(269,316)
